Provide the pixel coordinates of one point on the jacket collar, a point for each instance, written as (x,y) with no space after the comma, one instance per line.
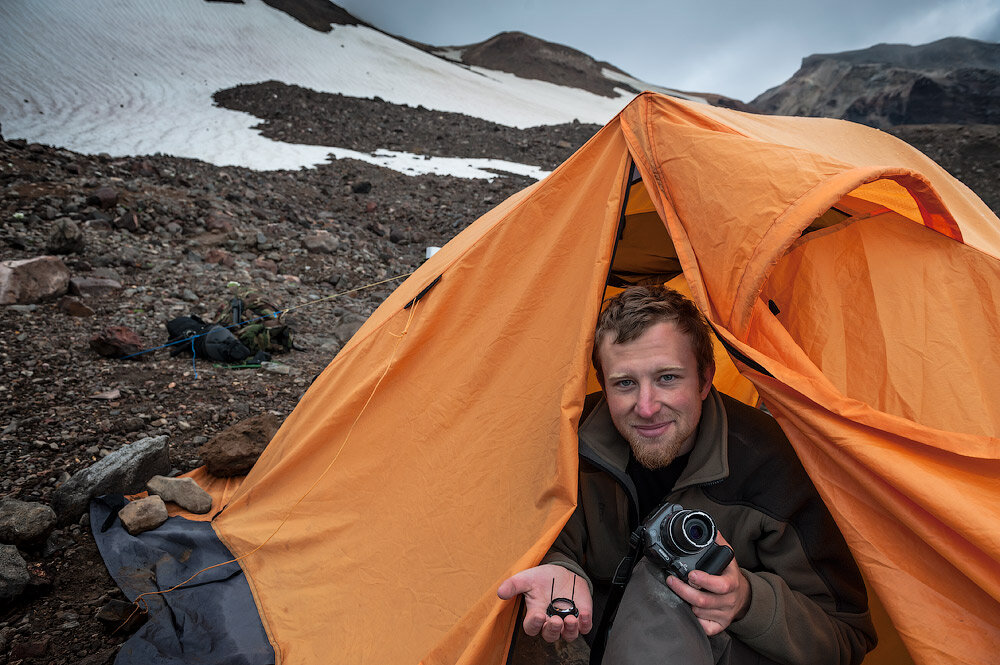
(709,461)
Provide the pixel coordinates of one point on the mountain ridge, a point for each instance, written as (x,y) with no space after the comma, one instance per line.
(951,81)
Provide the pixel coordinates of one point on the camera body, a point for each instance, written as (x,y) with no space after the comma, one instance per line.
(680,541)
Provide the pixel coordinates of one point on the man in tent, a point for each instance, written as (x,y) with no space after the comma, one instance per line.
(662,433)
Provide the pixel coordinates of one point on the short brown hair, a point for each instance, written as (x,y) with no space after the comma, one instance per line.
(633,311)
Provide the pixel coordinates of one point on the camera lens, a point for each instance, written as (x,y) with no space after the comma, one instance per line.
(695,531)
(688,531)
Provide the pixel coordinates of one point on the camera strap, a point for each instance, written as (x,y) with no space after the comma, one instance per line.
(623,573)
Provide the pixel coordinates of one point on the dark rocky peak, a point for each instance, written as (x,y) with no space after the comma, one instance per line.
(532,58)
(953,80)
(945,54)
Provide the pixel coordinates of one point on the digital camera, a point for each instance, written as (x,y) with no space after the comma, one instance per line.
(682,540)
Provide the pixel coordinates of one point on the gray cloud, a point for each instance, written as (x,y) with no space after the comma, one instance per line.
(730,47)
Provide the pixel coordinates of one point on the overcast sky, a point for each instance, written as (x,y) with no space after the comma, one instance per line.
(731,47)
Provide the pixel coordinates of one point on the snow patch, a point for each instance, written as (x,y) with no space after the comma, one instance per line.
(133,77)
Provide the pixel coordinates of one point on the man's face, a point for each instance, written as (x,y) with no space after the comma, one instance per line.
(654,392)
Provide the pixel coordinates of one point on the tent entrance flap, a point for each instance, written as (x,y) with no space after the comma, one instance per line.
(644,252)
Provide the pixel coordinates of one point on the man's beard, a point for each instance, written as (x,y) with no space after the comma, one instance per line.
(657,454)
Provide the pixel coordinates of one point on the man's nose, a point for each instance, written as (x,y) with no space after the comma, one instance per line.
(647,404)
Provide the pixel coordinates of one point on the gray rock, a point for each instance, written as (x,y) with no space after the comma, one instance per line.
(66,237)
(349,324)
(93,287)
(105,197)
(277,368)
(185,492)
(321,242)
(143,514)
(32,280)
(124,471)
(25,523)
(13,573)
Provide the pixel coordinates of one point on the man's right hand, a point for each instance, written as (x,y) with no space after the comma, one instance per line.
(536,585)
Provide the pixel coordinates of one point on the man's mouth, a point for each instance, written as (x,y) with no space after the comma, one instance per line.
(652,431)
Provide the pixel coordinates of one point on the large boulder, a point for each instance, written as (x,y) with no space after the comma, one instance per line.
(124,471)
(233,451)
(32,280)
(25,523)
(14,575)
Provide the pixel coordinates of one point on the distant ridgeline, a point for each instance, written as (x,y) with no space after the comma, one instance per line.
(953,80)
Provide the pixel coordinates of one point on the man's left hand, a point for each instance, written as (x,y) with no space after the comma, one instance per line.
(717,600)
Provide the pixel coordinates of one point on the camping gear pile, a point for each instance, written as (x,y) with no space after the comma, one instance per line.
(245,328)
(854,283)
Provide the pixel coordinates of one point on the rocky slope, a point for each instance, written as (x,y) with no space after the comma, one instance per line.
(953,80)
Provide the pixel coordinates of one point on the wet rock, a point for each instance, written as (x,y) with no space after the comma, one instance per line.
(13,573)
(234,451)
(32,280)
(124,471)
(66,237)
(143,514)
(25,523)
(185,492)
(116,342)
(93,287)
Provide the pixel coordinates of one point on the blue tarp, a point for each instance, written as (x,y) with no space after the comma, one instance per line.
(210,620)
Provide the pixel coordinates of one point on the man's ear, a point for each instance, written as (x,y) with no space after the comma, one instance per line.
(706,380)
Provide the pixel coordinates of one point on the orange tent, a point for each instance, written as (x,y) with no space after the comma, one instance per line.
(853,280)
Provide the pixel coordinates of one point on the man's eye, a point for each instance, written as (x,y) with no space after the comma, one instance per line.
(624,383)
(667,378)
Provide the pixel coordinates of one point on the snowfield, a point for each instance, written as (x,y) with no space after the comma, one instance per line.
(133,77)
